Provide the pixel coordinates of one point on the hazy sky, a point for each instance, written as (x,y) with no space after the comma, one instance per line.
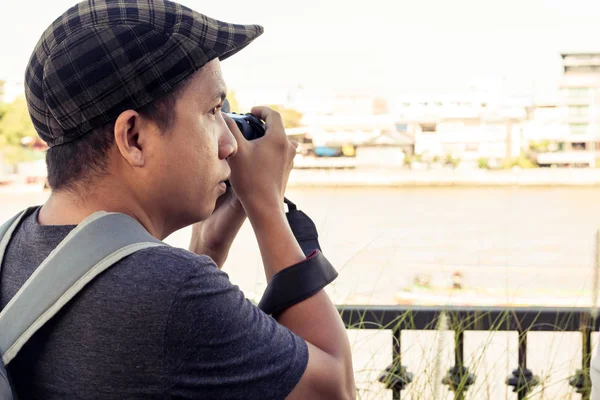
(431,45)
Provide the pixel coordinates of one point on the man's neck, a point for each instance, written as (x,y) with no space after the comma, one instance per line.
(67,208)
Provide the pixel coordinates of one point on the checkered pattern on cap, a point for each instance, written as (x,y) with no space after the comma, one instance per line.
(102,57)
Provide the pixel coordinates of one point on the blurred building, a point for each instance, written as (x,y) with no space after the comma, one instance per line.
(334,135)
(465,127)
(351,122)
(567,133)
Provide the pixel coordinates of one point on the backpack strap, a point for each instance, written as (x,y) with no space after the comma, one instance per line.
(93,246)
(7,229)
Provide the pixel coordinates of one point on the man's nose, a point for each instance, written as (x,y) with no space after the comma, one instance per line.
(228,145)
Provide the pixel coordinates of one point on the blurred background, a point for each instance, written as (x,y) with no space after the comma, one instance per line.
(450,151)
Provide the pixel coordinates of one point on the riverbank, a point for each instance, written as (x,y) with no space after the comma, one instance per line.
(405,178)
(341,177)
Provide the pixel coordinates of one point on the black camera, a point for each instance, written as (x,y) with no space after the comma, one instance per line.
(251,127)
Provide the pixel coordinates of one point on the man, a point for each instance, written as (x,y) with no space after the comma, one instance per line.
(127,94)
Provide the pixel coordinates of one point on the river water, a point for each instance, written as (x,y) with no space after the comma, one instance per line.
(498,238)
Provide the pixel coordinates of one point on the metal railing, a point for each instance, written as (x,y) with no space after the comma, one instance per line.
(522,320)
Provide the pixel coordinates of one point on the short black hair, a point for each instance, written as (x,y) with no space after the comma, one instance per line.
(76,164)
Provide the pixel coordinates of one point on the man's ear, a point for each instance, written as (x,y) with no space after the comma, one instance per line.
(130,137)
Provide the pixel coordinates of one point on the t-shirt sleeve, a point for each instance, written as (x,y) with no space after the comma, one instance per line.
(218,345)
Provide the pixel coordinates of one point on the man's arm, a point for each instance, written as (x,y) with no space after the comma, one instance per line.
(329,374)
(260,171)
(214,236)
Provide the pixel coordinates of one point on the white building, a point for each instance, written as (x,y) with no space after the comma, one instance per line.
(465,127)
(570,128)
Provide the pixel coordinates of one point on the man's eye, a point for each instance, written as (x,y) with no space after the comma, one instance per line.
(215,110)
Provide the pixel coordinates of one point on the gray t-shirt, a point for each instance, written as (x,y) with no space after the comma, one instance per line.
(161,323)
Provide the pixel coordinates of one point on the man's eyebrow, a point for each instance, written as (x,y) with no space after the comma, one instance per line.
(221,95)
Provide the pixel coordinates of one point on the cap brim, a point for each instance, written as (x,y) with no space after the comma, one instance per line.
(239,37)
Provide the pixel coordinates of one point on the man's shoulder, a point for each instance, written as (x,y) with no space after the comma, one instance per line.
(168,255)
(167,262)
(156,271)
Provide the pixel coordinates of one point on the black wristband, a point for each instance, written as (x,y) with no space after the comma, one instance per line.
(303,228)
(297,283)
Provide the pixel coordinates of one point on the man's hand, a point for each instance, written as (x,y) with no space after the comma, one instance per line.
(214,236)
(259,173)
(261,167)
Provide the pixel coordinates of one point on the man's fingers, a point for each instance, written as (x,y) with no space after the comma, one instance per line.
(271,117)
(261,112)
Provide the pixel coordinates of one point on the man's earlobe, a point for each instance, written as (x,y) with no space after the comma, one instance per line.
(127,137)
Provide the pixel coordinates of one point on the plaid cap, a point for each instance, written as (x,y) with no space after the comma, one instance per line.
(102,57)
